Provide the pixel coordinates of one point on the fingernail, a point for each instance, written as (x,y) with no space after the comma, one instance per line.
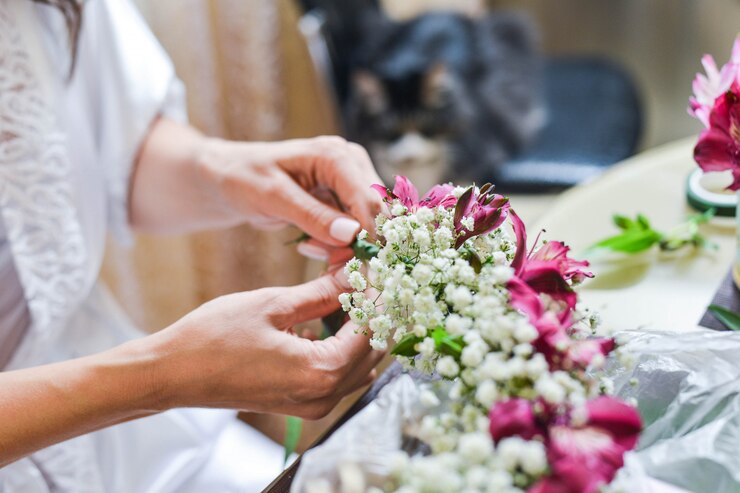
(313,251)
(344,229)
(341,278)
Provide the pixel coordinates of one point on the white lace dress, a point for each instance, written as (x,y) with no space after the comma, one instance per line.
(66,152)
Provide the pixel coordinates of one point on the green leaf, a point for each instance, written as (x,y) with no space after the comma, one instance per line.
(631,241)
(704,217)
(643,222)
(293,427)
(405,347)
(447,344)
(364,250)
(730,319)
(622,222)
(303,237)
(332,323)
(474,261)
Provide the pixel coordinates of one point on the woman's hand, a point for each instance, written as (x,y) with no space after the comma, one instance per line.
(186,182)
(239,351)
(298,182)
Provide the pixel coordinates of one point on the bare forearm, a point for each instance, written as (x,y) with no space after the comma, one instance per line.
(48,404)
(170,192)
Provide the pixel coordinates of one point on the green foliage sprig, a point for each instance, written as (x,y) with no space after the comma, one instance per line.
(638,235)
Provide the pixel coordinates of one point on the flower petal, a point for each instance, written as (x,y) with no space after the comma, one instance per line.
(383,191)
(621,420)
(439,195)
(406,192)
(525,299)
(545,277)
(520,231)
(513,417)
(712,151)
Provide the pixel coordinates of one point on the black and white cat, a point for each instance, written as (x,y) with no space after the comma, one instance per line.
(440,97)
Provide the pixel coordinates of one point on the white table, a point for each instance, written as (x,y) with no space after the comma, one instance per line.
(653,292)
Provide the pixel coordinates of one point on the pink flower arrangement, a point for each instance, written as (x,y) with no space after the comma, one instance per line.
(716,103)
(446,276)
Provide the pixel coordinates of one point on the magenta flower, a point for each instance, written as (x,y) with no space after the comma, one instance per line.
(707,88)
(549,269)
(514,417)
(406,192)
(487,210)
(584,458)
(439,195)
(556,252)
(554,342)
(718,148)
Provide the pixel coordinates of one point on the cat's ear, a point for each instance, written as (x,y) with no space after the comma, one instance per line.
(437,86)
(369,92)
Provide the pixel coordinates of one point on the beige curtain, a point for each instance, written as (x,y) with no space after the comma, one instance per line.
(248,77)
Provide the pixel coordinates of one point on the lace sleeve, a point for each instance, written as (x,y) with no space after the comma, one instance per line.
(137,82)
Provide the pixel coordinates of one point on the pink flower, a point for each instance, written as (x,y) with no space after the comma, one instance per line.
(514,417)
(718,148)
(549,269)
(583,458)
(554,342)
(439,195)
(707,88)
(406,192)
(556,252)
(488,211)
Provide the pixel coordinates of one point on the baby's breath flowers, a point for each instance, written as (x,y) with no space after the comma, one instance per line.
(457,296)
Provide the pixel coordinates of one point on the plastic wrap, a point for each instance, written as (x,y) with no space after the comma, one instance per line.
(362,450)
(687,387)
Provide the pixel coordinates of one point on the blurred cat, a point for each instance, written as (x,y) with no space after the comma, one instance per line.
(439,97)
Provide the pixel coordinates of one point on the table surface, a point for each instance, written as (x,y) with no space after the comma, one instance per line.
(652,292)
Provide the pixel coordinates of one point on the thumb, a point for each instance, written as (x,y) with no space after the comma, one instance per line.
(312,299)
(319,220)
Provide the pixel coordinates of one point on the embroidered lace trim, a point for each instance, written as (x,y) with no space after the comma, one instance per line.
(36,196)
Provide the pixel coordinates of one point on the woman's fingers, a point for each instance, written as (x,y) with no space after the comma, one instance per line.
(349,171)
(308,301)
(358,375)
(316,250)
(319,220)
(318,408)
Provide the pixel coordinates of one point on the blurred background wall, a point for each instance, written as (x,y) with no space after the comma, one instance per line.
(660,42)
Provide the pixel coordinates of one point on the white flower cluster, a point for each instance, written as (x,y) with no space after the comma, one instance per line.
(448,312)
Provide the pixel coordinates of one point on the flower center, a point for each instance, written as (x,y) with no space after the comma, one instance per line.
(735,131)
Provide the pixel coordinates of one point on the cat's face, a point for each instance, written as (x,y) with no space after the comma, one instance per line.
(407,123)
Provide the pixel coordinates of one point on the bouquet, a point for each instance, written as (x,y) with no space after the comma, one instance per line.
(460,298)
(716,104)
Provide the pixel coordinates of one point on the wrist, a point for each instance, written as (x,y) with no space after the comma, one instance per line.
(214,163)
(135,375)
